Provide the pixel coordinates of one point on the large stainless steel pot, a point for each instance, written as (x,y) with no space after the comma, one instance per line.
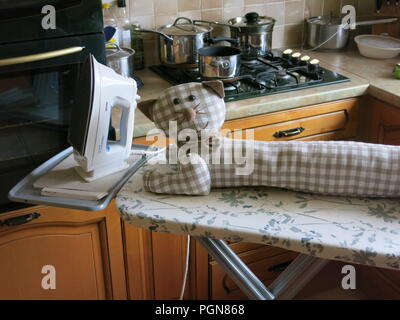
(219,62)
(254,33)
(179,42)
(328,33)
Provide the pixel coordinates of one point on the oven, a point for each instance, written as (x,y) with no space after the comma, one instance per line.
(21,20)
(37,91)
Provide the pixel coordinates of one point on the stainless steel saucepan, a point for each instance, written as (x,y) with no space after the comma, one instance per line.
(179,42)
(328,33)
(219,62)
(120,59)
(254,33)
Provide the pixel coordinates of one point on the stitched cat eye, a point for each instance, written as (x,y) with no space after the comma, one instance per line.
(192,98)
(177,101)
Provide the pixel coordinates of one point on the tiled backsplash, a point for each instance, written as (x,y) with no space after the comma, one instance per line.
(290,15)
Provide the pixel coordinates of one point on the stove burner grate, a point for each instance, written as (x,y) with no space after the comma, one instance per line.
(258,77)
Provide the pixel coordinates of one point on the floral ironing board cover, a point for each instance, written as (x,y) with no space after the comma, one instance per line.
(356,230)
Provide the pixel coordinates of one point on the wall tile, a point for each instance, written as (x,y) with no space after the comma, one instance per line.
(193,14)
(313,8)
(211,4)
(294,11)
(278,37)
(141,7)
(229,13)
(276,11)
(189,5)
(250,2)
(293,35)
(261,9)
(233,3)
(164,19)
(212,15)
(165,7)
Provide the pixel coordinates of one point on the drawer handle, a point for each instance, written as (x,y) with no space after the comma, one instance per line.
(17,221)
(289,132)
(280,267)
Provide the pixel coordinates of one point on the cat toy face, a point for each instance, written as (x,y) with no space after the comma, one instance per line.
(196,106)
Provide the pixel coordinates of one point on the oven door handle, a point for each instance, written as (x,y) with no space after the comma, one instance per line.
(40,56)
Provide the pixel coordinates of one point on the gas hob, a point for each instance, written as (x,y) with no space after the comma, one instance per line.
(274,73)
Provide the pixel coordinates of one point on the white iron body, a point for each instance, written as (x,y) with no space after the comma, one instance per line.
(102,157)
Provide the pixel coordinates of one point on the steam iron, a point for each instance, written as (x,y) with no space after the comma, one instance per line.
(99,90)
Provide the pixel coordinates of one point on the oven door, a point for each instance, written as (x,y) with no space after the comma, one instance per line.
(22,19)
(37,92)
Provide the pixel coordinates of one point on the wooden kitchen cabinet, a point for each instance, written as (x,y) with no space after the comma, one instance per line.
(383,123)
(85,248)
(328,121)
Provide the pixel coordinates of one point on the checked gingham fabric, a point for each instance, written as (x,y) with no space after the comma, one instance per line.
(210,108)
(323,167)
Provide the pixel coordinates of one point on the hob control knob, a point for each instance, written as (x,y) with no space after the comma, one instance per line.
(314,65)
(287,53)
(295,57)
(304,61)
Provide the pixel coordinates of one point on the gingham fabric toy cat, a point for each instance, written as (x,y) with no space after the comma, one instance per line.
(324,167)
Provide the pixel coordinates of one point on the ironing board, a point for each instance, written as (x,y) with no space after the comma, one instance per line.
(322,228)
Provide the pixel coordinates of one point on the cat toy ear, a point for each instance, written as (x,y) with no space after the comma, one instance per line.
(217,86)
(147,108)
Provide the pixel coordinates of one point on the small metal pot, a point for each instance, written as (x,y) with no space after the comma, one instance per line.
(179,42)
(120,59)
(328,32)
(219,62)
(254,33)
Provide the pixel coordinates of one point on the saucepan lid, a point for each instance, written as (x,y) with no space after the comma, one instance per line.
(325,20)
(254,22)
(184,29)
(115,52)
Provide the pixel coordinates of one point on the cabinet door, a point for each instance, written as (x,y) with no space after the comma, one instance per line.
(385,126)
(83,250)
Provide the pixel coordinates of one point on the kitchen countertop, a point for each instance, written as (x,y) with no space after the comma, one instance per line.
(368,76)
(382,84)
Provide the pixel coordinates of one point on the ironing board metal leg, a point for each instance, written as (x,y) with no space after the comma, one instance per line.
(296,276)
(236,269)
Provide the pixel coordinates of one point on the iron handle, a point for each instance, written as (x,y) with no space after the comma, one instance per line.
(289,132)
(39,56)
(280,267)
(17,221)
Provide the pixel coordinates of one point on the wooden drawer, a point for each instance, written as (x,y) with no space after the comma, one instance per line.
(330,121)
(266,267)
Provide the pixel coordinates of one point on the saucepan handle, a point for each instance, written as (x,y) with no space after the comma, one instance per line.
(168,38)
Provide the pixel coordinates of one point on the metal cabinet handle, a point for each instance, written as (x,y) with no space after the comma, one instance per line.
(16,221)
(280,267)
(40,56)
(289,132)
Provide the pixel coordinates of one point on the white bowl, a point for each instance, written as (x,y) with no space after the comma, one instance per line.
(378,47)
